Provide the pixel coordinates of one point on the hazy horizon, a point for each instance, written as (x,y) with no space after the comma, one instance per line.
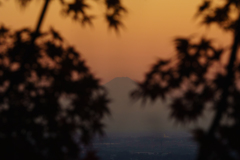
(129,117)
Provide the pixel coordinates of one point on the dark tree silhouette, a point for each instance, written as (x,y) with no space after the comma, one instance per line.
(51,105)
(196,80)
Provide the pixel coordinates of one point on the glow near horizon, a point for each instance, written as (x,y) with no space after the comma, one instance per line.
(150,27)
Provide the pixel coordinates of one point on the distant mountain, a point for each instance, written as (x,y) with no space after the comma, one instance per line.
(120,81)
(119,88)
(128,117)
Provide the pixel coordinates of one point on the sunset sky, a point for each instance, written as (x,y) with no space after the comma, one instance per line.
(150,27)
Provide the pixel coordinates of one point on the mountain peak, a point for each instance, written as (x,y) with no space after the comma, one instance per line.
(120,87)
(120,80)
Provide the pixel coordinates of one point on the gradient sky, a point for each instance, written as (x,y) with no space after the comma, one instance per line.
(150,27)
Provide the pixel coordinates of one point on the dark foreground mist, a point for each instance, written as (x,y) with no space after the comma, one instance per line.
(160,147)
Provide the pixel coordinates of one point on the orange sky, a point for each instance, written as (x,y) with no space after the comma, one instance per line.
(150,27)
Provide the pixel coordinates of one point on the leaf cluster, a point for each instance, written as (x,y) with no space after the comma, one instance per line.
(194,81)
(223,13)
(185,78)
(77,10)
(51,105)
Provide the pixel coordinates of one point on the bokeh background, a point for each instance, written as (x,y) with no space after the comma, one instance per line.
(148,32)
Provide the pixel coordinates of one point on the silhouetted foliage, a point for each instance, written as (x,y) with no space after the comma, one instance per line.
(196,79)
(77,10)
(51,105)
(186,73)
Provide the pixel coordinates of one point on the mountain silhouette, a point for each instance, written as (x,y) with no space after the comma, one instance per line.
(119,89)
(129,117)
